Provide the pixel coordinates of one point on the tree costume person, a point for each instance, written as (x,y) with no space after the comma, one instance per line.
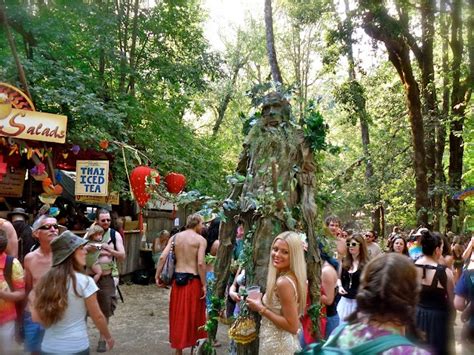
(274,192)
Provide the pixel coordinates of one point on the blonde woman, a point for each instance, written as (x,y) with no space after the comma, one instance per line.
(285,297)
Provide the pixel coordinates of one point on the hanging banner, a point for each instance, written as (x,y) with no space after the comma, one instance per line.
(92,178)
(112,199)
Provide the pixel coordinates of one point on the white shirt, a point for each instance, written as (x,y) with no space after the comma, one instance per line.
(69,335)
(373,249)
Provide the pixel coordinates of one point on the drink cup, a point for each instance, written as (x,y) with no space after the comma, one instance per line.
(253,292)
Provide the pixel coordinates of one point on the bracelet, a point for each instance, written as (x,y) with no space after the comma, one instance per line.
(263,310)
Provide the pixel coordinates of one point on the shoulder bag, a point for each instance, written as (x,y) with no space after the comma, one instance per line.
(167,272)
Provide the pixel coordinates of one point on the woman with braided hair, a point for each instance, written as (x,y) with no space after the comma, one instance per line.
(386,302)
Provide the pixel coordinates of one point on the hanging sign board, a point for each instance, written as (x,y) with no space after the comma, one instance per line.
(18,118)
(112,199)
(92,178)
(33,125)
(12,183)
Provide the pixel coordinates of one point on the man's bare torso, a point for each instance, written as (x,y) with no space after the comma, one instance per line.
(37,264)
(186,250)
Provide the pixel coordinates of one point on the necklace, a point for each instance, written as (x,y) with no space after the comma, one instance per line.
(350,280)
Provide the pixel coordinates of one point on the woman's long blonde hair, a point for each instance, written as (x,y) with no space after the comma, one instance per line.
(51,293)
(297,267)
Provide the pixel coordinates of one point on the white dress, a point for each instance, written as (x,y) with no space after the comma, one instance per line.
(274,340)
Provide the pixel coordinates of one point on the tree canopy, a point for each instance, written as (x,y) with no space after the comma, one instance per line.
(391,82)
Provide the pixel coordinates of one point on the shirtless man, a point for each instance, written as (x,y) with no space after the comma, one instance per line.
(12,247)
(109,254)
(188,290)
(38,263)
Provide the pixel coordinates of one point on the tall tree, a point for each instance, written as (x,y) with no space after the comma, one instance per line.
(381,26)
(270,40)
(460,96)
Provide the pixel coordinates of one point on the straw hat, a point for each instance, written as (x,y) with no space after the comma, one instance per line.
(65,245)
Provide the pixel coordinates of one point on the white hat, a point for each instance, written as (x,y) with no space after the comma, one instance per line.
(420,231)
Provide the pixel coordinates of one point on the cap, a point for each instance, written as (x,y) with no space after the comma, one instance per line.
(420,231)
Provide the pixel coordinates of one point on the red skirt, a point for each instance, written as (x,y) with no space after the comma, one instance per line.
(187,314)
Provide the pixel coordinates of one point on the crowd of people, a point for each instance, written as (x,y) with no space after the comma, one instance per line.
(46,291)
(399,296)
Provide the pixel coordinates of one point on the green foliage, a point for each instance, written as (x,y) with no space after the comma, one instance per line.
(315,129)
(351,97)
(82,65)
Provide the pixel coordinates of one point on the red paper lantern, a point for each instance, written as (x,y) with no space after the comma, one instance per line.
(138,182)
(175,183)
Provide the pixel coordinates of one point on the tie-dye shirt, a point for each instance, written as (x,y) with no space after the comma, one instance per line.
(414,250)
(7,308)
(359,333)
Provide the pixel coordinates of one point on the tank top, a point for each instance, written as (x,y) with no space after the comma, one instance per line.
(431,296)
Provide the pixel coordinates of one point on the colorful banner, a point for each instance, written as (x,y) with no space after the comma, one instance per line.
(92,178)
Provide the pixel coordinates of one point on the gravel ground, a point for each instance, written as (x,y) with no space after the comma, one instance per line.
(140,324)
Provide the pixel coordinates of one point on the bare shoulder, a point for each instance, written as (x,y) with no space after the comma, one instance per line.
(285,288)
(284,282)
(6,226)
(29,258)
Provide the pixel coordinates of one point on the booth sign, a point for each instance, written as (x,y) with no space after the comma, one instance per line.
(92,178)
(112,199)
(18,118)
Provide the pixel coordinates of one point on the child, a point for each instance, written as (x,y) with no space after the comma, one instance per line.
(94,235)
(159,244)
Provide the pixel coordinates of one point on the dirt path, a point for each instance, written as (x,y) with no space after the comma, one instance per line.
(140,325)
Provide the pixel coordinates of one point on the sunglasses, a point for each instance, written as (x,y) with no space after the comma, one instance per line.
(105,220)
(352,244)
(48,226)
(369,235)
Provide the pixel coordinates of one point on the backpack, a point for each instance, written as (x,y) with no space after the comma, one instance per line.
(370,347)
(470,286)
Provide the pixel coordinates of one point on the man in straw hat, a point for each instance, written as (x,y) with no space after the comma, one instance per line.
(38,263)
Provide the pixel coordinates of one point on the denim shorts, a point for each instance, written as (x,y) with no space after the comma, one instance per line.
(34,333)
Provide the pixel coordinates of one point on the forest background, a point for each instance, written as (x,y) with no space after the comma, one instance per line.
(143,73)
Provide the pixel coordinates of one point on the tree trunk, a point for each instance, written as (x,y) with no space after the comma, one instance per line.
(132,78)
(378,26)
(428,90)
(441,127)
(11,42)
(270,39)
(123,10)
(226,99)
(460,95)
